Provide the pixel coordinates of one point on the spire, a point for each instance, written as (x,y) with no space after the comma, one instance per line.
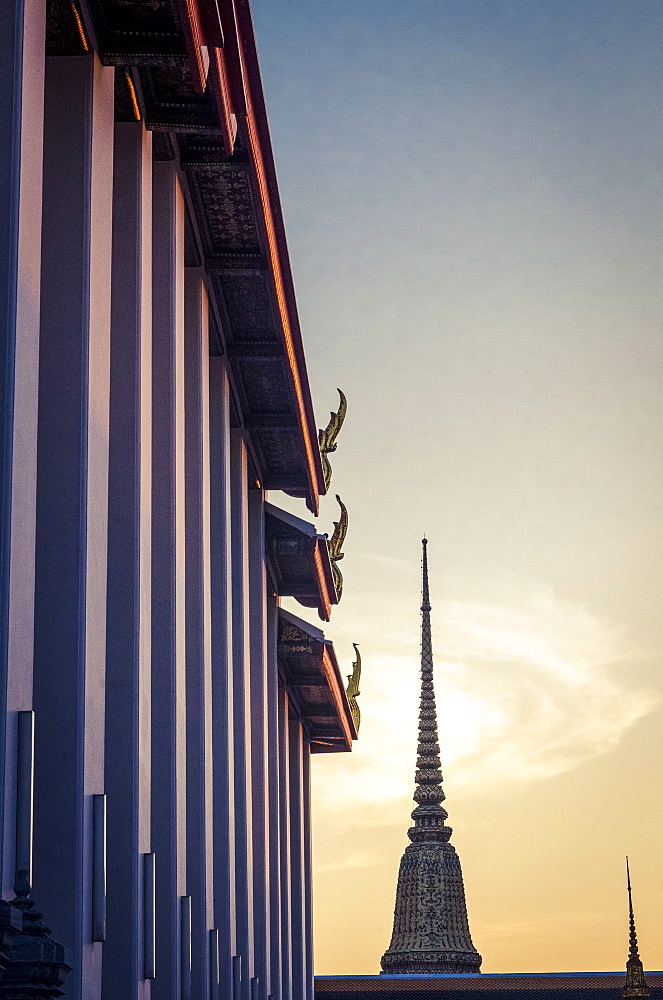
(431,934)
(429,814)
(635,985)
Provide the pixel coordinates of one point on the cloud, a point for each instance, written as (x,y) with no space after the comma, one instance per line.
(527,687)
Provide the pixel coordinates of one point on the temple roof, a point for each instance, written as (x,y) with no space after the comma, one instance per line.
(189,70)
(482,986)
(299,559)
(313,679)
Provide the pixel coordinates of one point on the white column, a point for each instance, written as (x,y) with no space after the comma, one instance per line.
(298,899)
(21,158)
(72,500)
(200,847)
(259,739)
(168,577)
(275,944)
(222,678)
(242,708)
(128,632)
(284,847)
(308,869)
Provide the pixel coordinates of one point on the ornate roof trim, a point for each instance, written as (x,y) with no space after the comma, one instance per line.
(313,678)
(193,68)
(261,147)
(300,560)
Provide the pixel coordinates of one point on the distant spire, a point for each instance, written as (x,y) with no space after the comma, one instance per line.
(431,933)
(429,815)
(635,985)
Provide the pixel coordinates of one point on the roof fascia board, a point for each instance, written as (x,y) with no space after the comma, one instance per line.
(259,138)
(331,673)
(321,560)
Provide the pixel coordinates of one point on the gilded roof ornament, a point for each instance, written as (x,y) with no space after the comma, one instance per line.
(336,545)
(327,438)
(635,985)
(352,689)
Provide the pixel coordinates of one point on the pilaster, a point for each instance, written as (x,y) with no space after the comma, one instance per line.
(200,846)
(284,847)
(259,737)
(308,871)
(128,631)
(275,943)
(242,709)
(168,578)
(72,500)
(22,29)
(298,900)
(222,675)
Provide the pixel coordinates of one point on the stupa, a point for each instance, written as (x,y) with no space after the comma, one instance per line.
(635,987)
(431,933)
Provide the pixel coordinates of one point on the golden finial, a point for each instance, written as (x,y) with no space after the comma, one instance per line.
(336,545)
(352,689)
(327,438)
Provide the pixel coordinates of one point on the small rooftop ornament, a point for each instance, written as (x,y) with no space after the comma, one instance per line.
(635,985)
(352,689)
(327,437)
(336,546)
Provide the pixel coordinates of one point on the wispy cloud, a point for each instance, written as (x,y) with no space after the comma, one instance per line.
(527,687)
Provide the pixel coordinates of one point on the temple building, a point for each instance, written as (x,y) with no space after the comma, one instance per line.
(158,707)
(431,933)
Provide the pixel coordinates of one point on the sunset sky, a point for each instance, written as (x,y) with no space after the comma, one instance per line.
(471,194)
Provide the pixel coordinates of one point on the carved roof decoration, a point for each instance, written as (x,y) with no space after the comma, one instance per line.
(336,545)
(313,680)
(63,29)
(191,68)
(299,560)
(352,690)
(327,437)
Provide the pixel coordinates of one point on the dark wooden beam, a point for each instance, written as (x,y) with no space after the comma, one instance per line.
(236,264)
(265,421)
(255,349)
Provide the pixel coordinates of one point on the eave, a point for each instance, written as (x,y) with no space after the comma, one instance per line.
(299,560)
(190,69)
(313,678)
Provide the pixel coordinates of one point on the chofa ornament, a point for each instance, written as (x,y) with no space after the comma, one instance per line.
(327,438)
(336,546)
(352,689)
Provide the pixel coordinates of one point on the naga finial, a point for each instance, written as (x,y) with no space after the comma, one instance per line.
(336,545)
(327,438)
(352,689)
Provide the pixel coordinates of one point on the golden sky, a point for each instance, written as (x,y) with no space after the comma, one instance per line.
(471,191)
(552,768)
